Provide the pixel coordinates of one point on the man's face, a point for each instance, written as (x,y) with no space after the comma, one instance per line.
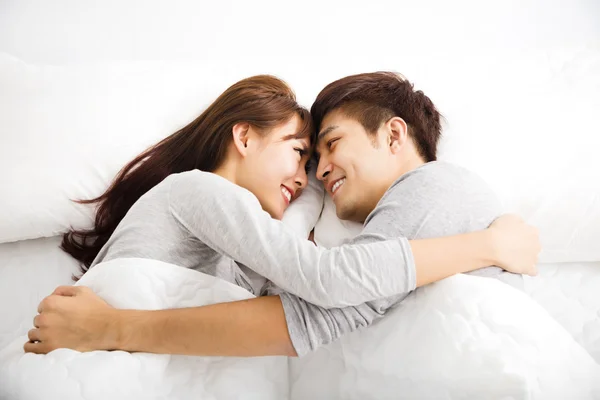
(353,165)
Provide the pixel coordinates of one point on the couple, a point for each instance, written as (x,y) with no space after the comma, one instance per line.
(210,197)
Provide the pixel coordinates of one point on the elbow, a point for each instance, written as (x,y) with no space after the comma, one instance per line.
(340,299)
(329,304)
(292,353)
(334,301)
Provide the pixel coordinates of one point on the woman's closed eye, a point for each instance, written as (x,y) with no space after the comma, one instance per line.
(301,151)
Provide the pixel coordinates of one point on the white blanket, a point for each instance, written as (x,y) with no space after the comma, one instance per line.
(464,337)
(143,284)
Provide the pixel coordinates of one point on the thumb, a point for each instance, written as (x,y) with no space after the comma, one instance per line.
(68,290)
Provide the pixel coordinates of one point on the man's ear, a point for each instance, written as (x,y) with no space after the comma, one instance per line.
(241,136)
(397,134)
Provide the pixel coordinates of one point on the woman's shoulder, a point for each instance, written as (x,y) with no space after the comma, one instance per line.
(199,184)
(195,179)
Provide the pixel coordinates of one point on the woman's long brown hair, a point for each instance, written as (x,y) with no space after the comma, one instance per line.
(263,101)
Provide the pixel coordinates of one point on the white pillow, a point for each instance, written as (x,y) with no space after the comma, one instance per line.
(522,122)
(67,131)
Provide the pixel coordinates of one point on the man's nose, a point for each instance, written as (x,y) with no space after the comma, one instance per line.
(323,169)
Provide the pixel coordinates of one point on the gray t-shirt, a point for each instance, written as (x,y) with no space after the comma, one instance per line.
(434,200)
(202,221)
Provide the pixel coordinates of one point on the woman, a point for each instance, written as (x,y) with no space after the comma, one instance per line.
(252,144)
(260,116)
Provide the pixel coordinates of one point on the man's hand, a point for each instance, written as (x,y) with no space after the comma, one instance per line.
(73,317)
(517,244)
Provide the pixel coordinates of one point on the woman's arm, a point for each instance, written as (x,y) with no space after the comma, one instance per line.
(229,219)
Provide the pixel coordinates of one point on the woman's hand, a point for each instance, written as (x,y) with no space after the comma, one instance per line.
(73,317)
(516,244)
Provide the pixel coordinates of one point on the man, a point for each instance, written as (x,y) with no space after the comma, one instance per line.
(376,143)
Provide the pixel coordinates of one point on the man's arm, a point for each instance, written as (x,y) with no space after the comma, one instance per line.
(74,317)
(254,327)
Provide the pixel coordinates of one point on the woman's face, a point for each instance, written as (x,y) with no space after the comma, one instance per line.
(275,168)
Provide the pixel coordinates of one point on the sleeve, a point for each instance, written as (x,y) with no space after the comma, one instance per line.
(311,326)
(303,213)
(229,219)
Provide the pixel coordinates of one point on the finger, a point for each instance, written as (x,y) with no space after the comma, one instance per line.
(36,348)
(67,290)
(532,271)
(49,303)
(42,305)
(53,302)
(34,335)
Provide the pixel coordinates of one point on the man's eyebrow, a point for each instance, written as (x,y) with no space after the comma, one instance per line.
(326,132)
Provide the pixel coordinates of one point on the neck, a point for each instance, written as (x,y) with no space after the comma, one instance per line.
(227,171)
(409,164)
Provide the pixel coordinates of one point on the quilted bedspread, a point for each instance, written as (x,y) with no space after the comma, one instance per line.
(143,284)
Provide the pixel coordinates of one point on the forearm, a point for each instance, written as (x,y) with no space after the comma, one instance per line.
(339,277)
(440,258)
(245,328)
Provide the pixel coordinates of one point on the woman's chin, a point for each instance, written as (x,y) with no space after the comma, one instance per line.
(276,212)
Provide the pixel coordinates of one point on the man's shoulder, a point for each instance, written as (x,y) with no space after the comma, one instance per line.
(434,171)
(435,177)
(435,194)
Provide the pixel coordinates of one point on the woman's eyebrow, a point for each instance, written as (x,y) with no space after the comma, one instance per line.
(295,136)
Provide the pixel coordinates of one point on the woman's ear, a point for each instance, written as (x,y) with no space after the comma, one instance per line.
(241,135)
(398,134)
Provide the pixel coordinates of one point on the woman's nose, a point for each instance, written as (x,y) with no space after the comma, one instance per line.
(301,179)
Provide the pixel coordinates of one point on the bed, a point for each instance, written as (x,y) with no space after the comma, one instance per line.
(521,108)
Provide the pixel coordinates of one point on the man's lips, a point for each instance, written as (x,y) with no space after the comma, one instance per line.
(331,184)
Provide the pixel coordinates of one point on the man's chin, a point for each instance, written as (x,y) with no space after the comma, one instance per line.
(348,213)
(341,212)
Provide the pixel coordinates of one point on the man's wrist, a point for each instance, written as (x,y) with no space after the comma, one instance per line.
(117,336)
(489,244)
